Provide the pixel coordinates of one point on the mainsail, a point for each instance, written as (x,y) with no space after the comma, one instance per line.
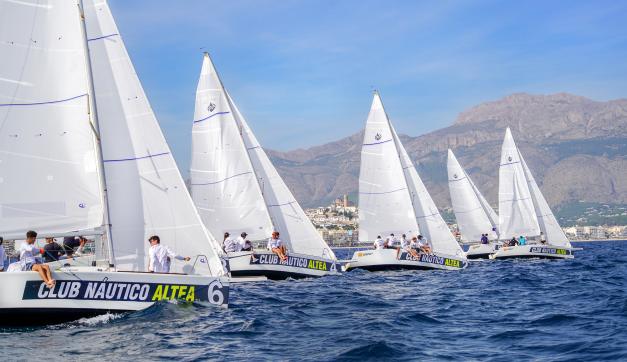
(384,203)
(223,182)
(267,205)
(392,197)
(517,215)
(146,192)
(48,170)
(474,215)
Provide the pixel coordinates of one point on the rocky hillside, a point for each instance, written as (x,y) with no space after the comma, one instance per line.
(575,147)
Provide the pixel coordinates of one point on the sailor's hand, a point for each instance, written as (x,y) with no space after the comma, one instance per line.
(187,258)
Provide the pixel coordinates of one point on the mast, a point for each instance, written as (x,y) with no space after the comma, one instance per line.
(93,120)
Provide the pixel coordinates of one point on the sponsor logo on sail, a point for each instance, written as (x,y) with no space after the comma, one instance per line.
(377,136)
(211,107)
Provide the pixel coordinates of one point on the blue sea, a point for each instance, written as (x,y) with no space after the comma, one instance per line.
(494,310)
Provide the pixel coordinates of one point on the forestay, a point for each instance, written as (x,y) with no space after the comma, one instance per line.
(546,219)
(430,221)
(384,203)
(474,215)
(517,214)
(145,189)
(223,183)
(48,174)
(285,213)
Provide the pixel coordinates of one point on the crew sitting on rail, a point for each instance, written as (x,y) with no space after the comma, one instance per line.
(229,244)
(30,261)
(276,246)
(389,242)
(423,244)
(542,238)
(159,256)
(379,243)
(243,244)
(406,245)
(512,242)
(484,239)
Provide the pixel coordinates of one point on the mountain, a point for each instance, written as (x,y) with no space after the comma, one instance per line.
(575,147)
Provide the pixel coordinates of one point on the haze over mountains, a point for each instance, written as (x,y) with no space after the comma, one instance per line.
(575,147)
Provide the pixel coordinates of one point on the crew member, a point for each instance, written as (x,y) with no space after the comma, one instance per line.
(424,245)
(389,241)
(52,250)
(276,246)
(379,243)
(522,240)
(242,242)
(542,238)
(159,256)
(229,245)
(484,239)
(30,261)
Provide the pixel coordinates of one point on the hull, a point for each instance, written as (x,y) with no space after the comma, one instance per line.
(389,259)
(267,264)
(481,251)
(85,292)
(533,251)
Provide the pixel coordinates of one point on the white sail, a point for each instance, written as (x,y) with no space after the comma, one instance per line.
(384,203)
(517,215)
(48,174)
(145,190)
(430,221)
(546,219)
(474,215)
(223,183)
(286,214)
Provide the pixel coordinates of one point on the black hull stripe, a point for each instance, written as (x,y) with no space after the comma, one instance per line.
(17,317)
(382,267)
(271,274)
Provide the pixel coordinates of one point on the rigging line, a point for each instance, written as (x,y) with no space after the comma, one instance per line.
(103,37)
(213,115)
(376,143)
(277,205)
(42,103)
(381,193)
(217,182)
(137,158)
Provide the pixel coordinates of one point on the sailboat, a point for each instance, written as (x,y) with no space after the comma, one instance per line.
(237,189)
(523,210)
(474,215)
(393,199)
(82,153)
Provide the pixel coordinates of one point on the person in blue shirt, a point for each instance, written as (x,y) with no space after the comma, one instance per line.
(484,238)
(522,240)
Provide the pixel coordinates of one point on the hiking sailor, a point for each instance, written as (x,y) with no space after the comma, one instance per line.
(542,238)
(389,241)
(30,261)
(52,250)
(276,246)
(424,245)
(159,256)
(379,243)
(241,242)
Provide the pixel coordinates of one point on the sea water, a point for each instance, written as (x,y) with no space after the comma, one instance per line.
(493,310)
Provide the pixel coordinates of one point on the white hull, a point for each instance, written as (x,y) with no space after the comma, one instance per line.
(386,259)
(267,264)
(533,251)
(80,292)
(481,251)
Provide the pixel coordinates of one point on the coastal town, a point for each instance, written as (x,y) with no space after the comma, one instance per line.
(338,224)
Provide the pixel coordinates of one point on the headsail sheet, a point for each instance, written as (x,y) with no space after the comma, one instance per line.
(48,166)
(146,192)
(384,203)
(517,215)
(474,215)
(223,183)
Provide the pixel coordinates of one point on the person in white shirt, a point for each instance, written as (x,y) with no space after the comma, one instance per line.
(424,245)
(159,256)
(229,244)
(3,254)
(542,238)
(30,261)
(241,242)
(389,241)
(379,243)
(276,246)
(413,247)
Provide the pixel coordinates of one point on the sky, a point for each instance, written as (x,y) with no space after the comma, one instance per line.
(302,72)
